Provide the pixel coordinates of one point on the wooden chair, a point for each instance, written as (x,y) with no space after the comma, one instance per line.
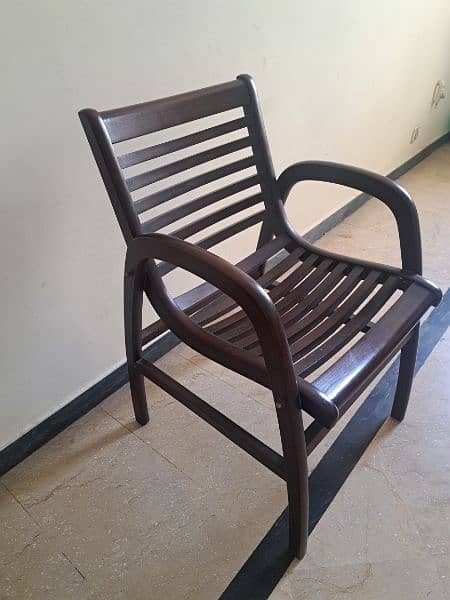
(312,326)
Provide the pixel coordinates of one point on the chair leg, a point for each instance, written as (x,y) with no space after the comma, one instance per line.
(138,396)
(298,519)
(405,376)
(133,291)
(294,452)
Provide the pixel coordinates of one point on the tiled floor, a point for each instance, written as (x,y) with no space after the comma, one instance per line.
(110,510)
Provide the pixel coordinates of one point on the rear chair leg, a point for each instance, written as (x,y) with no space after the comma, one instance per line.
(405,375)
(138,396)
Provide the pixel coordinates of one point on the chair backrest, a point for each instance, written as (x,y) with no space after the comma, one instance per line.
(187,163)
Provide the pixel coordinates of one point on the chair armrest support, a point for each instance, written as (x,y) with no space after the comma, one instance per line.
(234,282)
(386,190)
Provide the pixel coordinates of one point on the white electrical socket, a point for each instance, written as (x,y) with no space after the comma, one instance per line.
(414,134)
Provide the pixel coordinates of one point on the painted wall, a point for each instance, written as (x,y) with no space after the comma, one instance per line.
(343,80)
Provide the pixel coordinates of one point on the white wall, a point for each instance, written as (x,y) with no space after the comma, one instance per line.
(342,80)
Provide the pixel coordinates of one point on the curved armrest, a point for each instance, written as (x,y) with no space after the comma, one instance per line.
(386,190)
(278,370)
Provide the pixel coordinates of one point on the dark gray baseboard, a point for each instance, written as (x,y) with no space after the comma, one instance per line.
(79,406)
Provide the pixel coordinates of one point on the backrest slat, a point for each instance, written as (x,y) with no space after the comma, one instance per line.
(190,184)
(231,230)
(144,179)
(171,216)
(220,236)
(141,119)
(215,217)
(138,156)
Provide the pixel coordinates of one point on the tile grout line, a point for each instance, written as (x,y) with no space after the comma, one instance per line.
(150,446)
(20,503)
(83,577)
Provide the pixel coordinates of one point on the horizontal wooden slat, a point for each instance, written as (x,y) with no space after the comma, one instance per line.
(327,305)
(318,357)
(312,318)
(210,313)
(286,263)
(248,339)
(216,216)
(245,440)
(264,280)
(294,277)
(296,303)
(334,321)
(144,179)
(220,236)
(261,255)
(292,297)
(231,230)
(179,212)
(140,119)
(186,141)
(178,189)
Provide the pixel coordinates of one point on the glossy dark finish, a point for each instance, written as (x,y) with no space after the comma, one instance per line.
(405,375)
(276,324)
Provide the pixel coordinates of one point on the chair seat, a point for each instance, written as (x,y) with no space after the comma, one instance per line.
(332,310)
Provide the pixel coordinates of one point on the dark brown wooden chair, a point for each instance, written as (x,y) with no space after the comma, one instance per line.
(312,326)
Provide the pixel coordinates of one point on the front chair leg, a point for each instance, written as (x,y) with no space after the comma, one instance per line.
(296,464)
(133,292)
(405,375)
(298,517)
